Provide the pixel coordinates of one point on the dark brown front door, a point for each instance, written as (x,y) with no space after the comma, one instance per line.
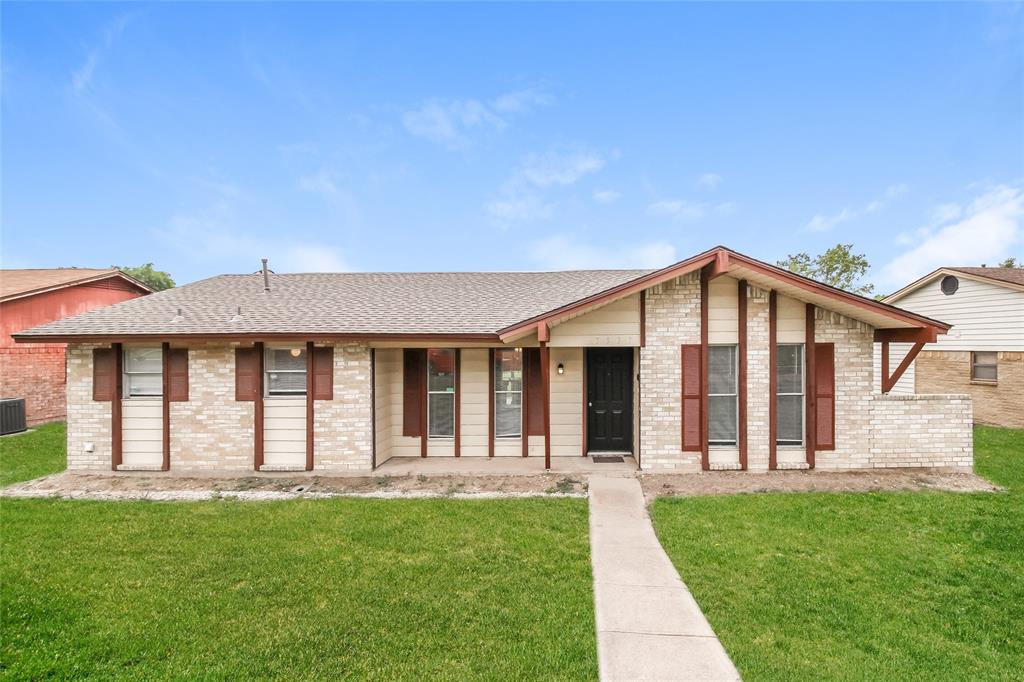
(610,399)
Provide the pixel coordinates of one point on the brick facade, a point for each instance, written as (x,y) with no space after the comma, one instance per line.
(999,404)
(343,427)
(88,419)
(37,374)
(921,431)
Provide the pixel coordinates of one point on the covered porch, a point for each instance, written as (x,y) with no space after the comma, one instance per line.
(505,466)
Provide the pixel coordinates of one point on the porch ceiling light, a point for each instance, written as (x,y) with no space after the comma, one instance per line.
(296,352)
(561,368)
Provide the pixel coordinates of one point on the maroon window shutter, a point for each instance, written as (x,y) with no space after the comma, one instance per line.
(691,382)
(104,379)
(177,375)
(414,367)
(323,373)
(534,392)
(825,394)
(247,374)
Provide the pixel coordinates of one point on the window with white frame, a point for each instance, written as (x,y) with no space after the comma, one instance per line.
(722,395)
(789,394)
(441,393)
(143,372)
(508,393)
(285,370)
(984,365)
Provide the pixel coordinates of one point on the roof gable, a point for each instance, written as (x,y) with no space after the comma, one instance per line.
(1011,278)
(19,283)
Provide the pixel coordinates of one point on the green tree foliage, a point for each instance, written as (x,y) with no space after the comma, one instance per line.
(158,280)
(838,267)
(1011,262)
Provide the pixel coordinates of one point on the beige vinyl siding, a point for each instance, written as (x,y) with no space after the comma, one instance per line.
(384,367)
(389,367)
(473,401)
(723,315)
(614,324)
(566,403)
(984,316)
(142,432)
(897,351)
(792,320)
(284,432)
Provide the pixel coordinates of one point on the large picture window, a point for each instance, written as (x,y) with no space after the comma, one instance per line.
(984,365)
(722,395)
(285,370)
(441,393)
(508,393)
(789,394)
(143,372)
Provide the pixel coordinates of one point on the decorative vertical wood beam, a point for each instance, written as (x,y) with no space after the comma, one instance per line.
(810,390)
(884,368)
(586,410)
(310,403)
(373,408)
(545,383)
(705,277)
(773,379)
(458,399)
(425,378)
(258,408)
(741,371)
(116,418)
(165,405)
(525,410)
(643,318)
(490,402)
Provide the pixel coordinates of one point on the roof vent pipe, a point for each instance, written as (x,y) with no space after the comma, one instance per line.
(266,277)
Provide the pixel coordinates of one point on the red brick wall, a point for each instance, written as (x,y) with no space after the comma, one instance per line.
(35,373)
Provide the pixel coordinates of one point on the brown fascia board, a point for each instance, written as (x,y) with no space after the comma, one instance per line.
(722,258)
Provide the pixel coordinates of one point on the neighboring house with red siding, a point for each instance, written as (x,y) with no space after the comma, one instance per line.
(719,361)
(32,297)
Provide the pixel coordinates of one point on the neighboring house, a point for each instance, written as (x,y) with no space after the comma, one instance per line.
(32,297)
(716,362)
(983,354)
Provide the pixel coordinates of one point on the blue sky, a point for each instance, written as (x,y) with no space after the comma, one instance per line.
(509,137)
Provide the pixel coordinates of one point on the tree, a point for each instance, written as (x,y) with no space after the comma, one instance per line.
(1011,262)
(838,267)
(158,280)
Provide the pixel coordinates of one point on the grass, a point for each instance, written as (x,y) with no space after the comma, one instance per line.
(908,585)
(365,589)
(39,452)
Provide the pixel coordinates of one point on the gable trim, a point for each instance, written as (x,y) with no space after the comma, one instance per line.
(935,274)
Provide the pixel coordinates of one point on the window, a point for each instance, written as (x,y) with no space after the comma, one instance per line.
(285,370)
(789,394)
(984,366)
(508,393)
(949,285)
(722,395)
(441,393)
(143,372)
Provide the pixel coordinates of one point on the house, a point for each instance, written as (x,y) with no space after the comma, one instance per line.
(983,354)
(719,361)
(32,297)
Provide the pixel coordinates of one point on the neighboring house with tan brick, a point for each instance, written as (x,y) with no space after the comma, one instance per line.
(983,353)
(32,297)
(719,361)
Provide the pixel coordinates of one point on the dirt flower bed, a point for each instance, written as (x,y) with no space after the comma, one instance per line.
(874,480)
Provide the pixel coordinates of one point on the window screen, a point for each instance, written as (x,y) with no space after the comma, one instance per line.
(508,393)
(143,372)
(789,394)
(722,395)
(984,365)
(286,371)
(441,393)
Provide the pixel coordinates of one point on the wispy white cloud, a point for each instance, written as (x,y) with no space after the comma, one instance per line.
(319,183)
(569,252)
(451,121)
(825,221)
(556,168)
(82,76)
(984,231)
(517,209)
(606,196)
(685,210)
(709,181)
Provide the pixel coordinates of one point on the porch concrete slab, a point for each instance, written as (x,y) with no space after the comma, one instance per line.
(501,466)
(649,627)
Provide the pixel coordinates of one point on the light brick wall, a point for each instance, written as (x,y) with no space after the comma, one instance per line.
(1000,404)
(672,319)
(757,379)
(88,420)
(343,427)
(212,430)
(854,374)
(921,431)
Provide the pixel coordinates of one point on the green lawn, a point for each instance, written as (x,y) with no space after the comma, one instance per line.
(380,589)
(914,585)
(39,452)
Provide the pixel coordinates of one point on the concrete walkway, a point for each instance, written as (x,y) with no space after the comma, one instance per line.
(649,627)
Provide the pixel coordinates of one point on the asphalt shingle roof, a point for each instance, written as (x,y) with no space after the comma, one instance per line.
(25,281)
(343,303)
(1011,275)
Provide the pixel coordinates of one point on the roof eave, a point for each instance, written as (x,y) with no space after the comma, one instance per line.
(78,282)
